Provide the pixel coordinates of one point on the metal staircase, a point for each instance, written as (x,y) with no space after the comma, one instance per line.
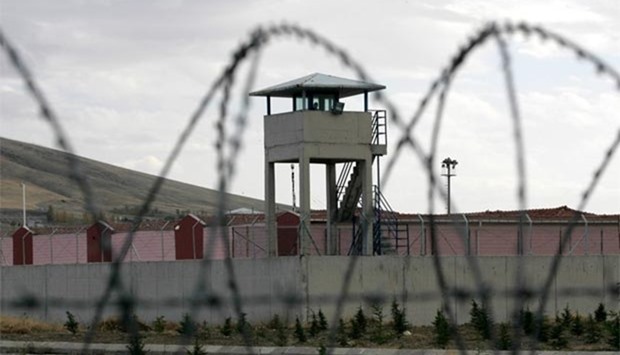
(388,235)
(349,191)
(349,183)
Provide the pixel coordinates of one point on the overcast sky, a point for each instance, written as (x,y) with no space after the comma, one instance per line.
(124,76)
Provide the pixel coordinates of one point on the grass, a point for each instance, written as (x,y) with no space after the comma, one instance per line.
(25,325)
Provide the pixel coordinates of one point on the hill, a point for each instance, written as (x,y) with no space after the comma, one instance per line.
(118,192)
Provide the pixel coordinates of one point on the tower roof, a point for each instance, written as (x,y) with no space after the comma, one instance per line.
(318,82)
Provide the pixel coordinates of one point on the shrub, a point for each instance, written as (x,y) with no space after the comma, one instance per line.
(504,342)
(322,320)
(378,335)
(577,326)
(243,326)
(314,326)
(275,322)
(613,328)
(71,324)
(342,333)
(592,331)
(566,318)
(442,329)
(557,338)
(542,329)
(600,315)
(159,324)
(358,324)
(136,345)
(197,349)
(299,331)
(186,325)
(527,322)
(227,328)
(399,319)
(281,335)
(480,320)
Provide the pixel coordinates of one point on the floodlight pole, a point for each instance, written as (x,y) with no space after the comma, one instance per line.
(449,164)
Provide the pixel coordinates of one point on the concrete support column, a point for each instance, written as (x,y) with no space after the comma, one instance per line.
(367,203)
(331,207)
(304,203)
(270,208)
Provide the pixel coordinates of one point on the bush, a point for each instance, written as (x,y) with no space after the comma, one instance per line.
(542,329)
(243,326)
(159,324)
(71,324)
(342,333)
(480,320)
(275,322)
(186,325)
(504,342)
(527,322)
(358,324)
(378,335)
(322,320)
(557,338)
(315,328)
(299,331)
(227,328)
(592,331)
(281,335)
(197,349)
(613,328)
(442,329)
(577,326)
(399,319)
(600,315)
(136,345)
(566,318)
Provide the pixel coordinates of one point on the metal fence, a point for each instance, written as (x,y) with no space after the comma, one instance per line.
(459,237)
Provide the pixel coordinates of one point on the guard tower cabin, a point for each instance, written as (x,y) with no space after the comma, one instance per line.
(319,131)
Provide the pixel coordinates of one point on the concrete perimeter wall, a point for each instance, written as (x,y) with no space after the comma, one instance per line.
(293,286)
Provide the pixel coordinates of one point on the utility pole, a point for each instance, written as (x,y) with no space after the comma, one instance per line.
(449,164)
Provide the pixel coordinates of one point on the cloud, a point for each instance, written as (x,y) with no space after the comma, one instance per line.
(148,164)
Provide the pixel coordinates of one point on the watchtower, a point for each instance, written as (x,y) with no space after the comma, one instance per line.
(319,131)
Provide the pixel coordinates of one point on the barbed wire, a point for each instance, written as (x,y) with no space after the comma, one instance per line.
(228,147)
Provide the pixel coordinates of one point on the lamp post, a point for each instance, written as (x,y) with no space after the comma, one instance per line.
(449,164)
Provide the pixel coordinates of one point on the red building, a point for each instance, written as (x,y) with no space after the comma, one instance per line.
(288,228)
(99,242)
(189,238)
(22,246)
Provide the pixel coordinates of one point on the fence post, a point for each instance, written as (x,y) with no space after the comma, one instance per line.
(2,248)
(467,239)
(52,246)
(585,235)
(232,241)
(478,237)
(530,235)
(162,239)
(422,236)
